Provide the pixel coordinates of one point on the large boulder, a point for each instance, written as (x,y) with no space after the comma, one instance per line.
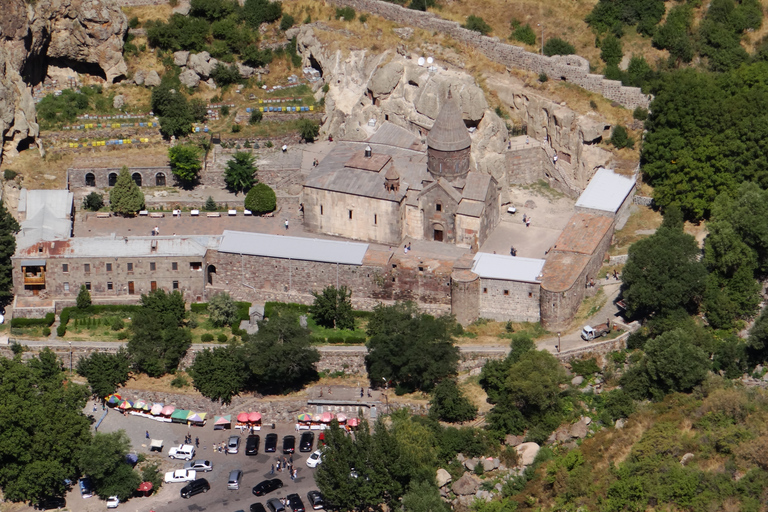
(488,464)
(152,79)
(245,71)
(189,78)
(470,464)
(527,453)
(139,76)
(579,429)
(200,63)
(513,441)
(386,78)
(577,380)
(180,58)
(466,485)
(118,101)
(443,477)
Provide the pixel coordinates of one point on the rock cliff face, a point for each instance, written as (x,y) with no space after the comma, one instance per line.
(86,35)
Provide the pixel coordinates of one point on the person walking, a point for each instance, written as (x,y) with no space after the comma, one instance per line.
(197,442)
(146,434)
(286,224)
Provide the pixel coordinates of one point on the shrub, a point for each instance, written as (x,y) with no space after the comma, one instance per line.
(585,367)
(477,24)
(117,324)
(308,129)
(61,330)
(611,51)
(269,144)
(221,338)
(621,139)
(46,321)
(225,75)
(210,205)
(593,104)
(225,111)
(286,22)
(122,335)
(524,34)
(347,13)
(206,338)
(9,174)
(179,381)
(93,201)
(543,77)
(363,18)
(261,199)
(236,128)
(557,46)
(256,116)
(640,113)
(133,22)
(326,88)
(46,331)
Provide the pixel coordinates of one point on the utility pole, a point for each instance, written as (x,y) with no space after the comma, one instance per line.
(70,358)
(542,37)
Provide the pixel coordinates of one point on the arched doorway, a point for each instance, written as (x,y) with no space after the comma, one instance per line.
(90,180)
(112,179)
(437,232)
(211,273)
(160,179)
(136,178)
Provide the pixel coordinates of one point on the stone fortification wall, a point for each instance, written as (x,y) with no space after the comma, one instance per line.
(526,165)
(569,68)
(149,175)
(509,300)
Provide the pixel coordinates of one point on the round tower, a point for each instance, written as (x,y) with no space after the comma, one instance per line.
(448,143)
(465,296)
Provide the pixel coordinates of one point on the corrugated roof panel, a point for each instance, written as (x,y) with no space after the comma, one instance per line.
(606,191)
(507,268)
(292,247)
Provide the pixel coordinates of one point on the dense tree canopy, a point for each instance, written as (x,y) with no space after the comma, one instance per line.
(185,162)
(103,460)
(410,349)
(332,308)
(240,173)
(261,199)
(450,404)
(175,112)
(219,373)
(125,198)
(222,310)
(105,371)
(8,229)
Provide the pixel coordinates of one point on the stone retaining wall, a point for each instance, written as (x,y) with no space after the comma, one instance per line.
(643,201)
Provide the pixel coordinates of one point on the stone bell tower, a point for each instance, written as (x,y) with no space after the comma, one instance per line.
(448,143)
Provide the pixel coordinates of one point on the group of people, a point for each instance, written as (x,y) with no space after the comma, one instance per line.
(407,248)
(285,465)
(155,231)
(315,162)
(526,220)
(188,440)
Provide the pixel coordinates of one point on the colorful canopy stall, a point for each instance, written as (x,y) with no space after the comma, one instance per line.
(125,405)
(145,488)
(242,417)
(222,422)
(113,399)
(341,418)
(326,417)
(197,418)
(156,410)
(353,422)
(180,416)
(168,410)
(141,405)
(254,417)
(305,417)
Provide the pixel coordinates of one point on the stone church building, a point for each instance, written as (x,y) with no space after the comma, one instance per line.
(386,188)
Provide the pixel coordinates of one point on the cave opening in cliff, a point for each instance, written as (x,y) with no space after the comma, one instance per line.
(315,65)
(81,68)
(469,123)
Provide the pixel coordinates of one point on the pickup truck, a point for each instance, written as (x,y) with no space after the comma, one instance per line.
(589,333)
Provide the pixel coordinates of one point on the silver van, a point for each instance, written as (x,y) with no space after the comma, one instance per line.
(234,479)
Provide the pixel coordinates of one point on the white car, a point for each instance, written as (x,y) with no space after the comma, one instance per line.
(315,459)
(183,451)
(199,465)
(180,475)
(113,502)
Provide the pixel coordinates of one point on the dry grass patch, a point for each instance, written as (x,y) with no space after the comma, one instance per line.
(149,12)
(642,222)
(142,382)
(474,392)
(614,446)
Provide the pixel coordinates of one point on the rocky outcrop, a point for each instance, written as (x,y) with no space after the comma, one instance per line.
(467,484)
(86,35)
(189,78)
(152,79)
(443,477)
(527,453)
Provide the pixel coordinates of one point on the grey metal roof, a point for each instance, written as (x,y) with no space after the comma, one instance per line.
(134,246)
(449,132)
(57,202)
(476,187)
(606,191)
(291,247)
(507,268)
(47,216)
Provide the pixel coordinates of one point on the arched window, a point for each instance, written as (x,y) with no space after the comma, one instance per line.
(160,179)
(112,179)
(90,180)
(136,178)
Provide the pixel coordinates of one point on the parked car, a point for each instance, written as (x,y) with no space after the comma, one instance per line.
(306,441)
(183,452)
(233,445)
(258,507)
(267,486)
(86,487)
(50,503)
(315,459)
(275,505)
(289,444)
(316,500)
(196,487)
(235,476)
(294,500)
(200,465)
(252,444)
(113,502)
(180,475)
(270,443)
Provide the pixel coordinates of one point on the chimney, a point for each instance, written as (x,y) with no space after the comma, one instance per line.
(367,151)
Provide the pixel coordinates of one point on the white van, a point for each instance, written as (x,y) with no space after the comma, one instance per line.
(183,452)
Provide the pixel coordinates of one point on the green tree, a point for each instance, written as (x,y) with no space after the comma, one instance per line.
(449,403)
(280,356)
(240,172)
(620,138)
(103,460)
(210,205)
(286,22)
(424,497)
(219,374)
(757,342)
(225,75)
(176,115)
(125,198)
(477,24)
(610,50)
(43,426)
(83,298)
(8,229)
(212,10)
(222,310)
(252,55)
(308,129)
(256,12)
(198,110)
(557,46)
(256,116)
(93,201)
(179,33)
(185,162)
(333,308)
(105,371)
(663,273)
(410,349)
(675,35)
(261,199)
(159,340)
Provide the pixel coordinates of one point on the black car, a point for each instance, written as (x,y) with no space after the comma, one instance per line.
(252,445)
(195,487)
(267,486)
(270,443)
(315,500)
(296,504)
(307,439)
(258,507)
(50,503)
(289,444)
(275,505)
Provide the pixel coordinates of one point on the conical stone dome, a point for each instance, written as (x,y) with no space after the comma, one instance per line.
(449,132)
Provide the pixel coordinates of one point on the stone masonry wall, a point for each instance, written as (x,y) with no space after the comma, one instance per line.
(508,300)
(76,176)
(557,68)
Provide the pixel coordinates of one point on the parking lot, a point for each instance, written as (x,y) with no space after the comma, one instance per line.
(219,498)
